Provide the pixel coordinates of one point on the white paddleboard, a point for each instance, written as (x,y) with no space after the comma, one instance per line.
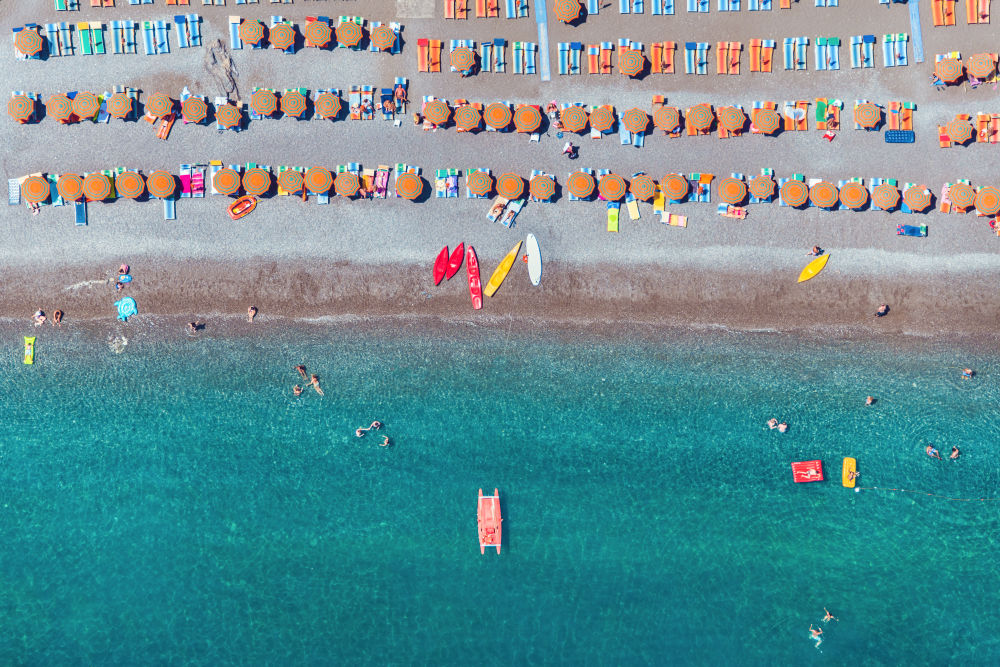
(534,259)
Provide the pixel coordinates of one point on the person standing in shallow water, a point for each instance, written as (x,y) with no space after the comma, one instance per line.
(251,313)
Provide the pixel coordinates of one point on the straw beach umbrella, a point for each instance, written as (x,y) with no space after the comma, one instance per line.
(21,108)
(226,181)
(498,116)
(318,33)
(962,195)
(824,194)
(794,193)
(959,130)
(349,33)
(96,186)
(732,190)
(700,117)
(409,185)
(256,181)
(251,32)
(981,65)
(949,70)
(35,189)
(766,120)
(382,37)
(282,36)
(667,118)
(631,62)
(867,115)
(347,184)
(293,103)
(129,184)
(854,195)
(119,105)
(988,200)
(917,198)
(159,105)
(527,118)
(86,105)
(161,184)
(437,112)
(194,110)
(581,184)
(28,41)
(574,118)
(290,181)
(59,107)
(264,102)
(318,180)
(542,187)
(612,187)
(567,11)
(602,119)
(70,187)
(762,186)
(885,196)
(227,115)
(674,187)
(642,186)
(467,117)
(510,186)
(463,59)
(479,183)
(732,118)
(636,120)
(328,105)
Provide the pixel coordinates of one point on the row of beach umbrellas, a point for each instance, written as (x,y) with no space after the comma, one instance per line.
(980,65)
(319,33)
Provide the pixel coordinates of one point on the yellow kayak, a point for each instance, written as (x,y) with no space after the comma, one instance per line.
(813,268)
(497,278)
(849,473)
(29,349)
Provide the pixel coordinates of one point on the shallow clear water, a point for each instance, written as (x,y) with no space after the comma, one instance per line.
(175,503)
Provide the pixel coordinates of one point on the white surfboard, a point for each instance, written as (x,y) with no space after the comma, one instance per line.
(534,259)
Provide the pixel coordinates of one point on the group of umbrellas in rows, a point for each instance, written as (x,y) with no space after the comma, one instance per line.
(951,70)
(581,184)
(316,33)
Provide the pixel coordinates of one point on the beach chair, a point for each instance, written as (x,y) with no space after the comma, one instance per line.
(827,114)
(765,171)
(612,209)
(862,51)
(943,12)
(569,195)
(757,105)
(188,30)
(696,57)
(632,206)
(729,5)
(594,58)
(607,48)
(486,56)
(827,53)
(661,59)
(662,7)
(699,6)
(701,187)
(759,5)
(727,57)
(446,183)
(468,172)
(367,102)
(517,9)
(795,49)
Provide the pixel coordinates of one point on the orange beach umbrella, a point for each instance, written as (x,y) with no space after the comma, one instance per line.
(988,200)
(766,120)
(732,190)
(383,37)
(467,117)
(349,33)
(159,104)
(642,186)
(251,32)
(700,116)
(581,184)
(917,198)
(612,187)
(282,36)
(21,107)
(527,118)
(636,120)
(347,184)
(667,118)
(962,195)
(119,105)
(290,181)
(948,70)
(161,184)
(35,189)
(264,102)
(194,110)
(437,112)
(824,194)
(854,195)
(867,114)
(328,105)
(498,115)
(70,186)
(510,186)
(256,181)
(226,181)
(318,180)
(602,119)
(542,187)
(762,186)
(631,62)
(59,107)
(885,196)
(227,115)
(86,105)
(732,118)
(293,103)
(96,186)
(463,58)
(479,183)
(794,193)
(409,185)
(573,118)
(129,184)
(567,10)
(959,131)
(318,33)
(28,41)
(674,186)
(981,65)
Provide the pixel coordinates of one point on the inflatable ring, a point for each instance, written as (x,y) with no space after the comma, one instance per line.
(126,308)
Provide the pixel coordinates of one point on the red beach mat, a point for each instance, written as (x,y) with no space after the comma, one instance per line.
(807,471)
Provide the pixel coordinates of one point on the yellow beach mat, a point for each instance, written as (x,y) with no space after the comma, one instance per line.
(29,349)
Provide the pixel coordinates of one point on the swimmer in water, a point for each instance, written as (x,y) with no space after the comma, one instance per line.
(302,371)
(376,425)
(782,427)
(251,313)
(314,381)
(297,390)
(870,400)
(933,452)
(772,423)
(816,632)
(385,441)
(954,452)
(967,373)
(829,617)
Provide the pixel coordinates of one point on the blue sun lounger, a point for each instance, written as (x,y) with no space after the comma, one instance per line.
(696,57)
(517,9)
(188,30)
(759,5)
(631,6)
(593,6)
(729,5)
(572,197)
(862,51)
(662,7)
(700,6)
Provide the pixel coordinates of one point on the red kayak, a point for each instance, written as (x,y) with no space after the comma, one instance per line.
(440,265)
(475,288)
(455,262)
(488,514)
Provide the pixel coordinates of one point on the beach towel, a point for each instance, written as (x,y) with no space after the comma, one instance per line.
(593,7)
(630,6)
(188,30)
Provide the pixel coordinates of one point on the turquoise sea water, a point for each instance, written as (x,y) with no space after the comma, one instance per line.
(175,504)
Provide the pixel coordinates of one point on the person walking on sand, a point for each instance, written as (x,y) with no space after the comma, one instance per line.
(816,634)
(302,371)
(251,313)
(829,617)
(314,381)
(933,453)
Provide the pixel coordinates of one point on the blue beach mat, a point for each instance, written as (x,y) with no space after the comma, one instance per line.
(126,308)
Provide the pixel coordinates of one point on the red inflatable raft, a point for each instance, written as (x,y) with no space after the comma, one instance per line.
(807,471)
